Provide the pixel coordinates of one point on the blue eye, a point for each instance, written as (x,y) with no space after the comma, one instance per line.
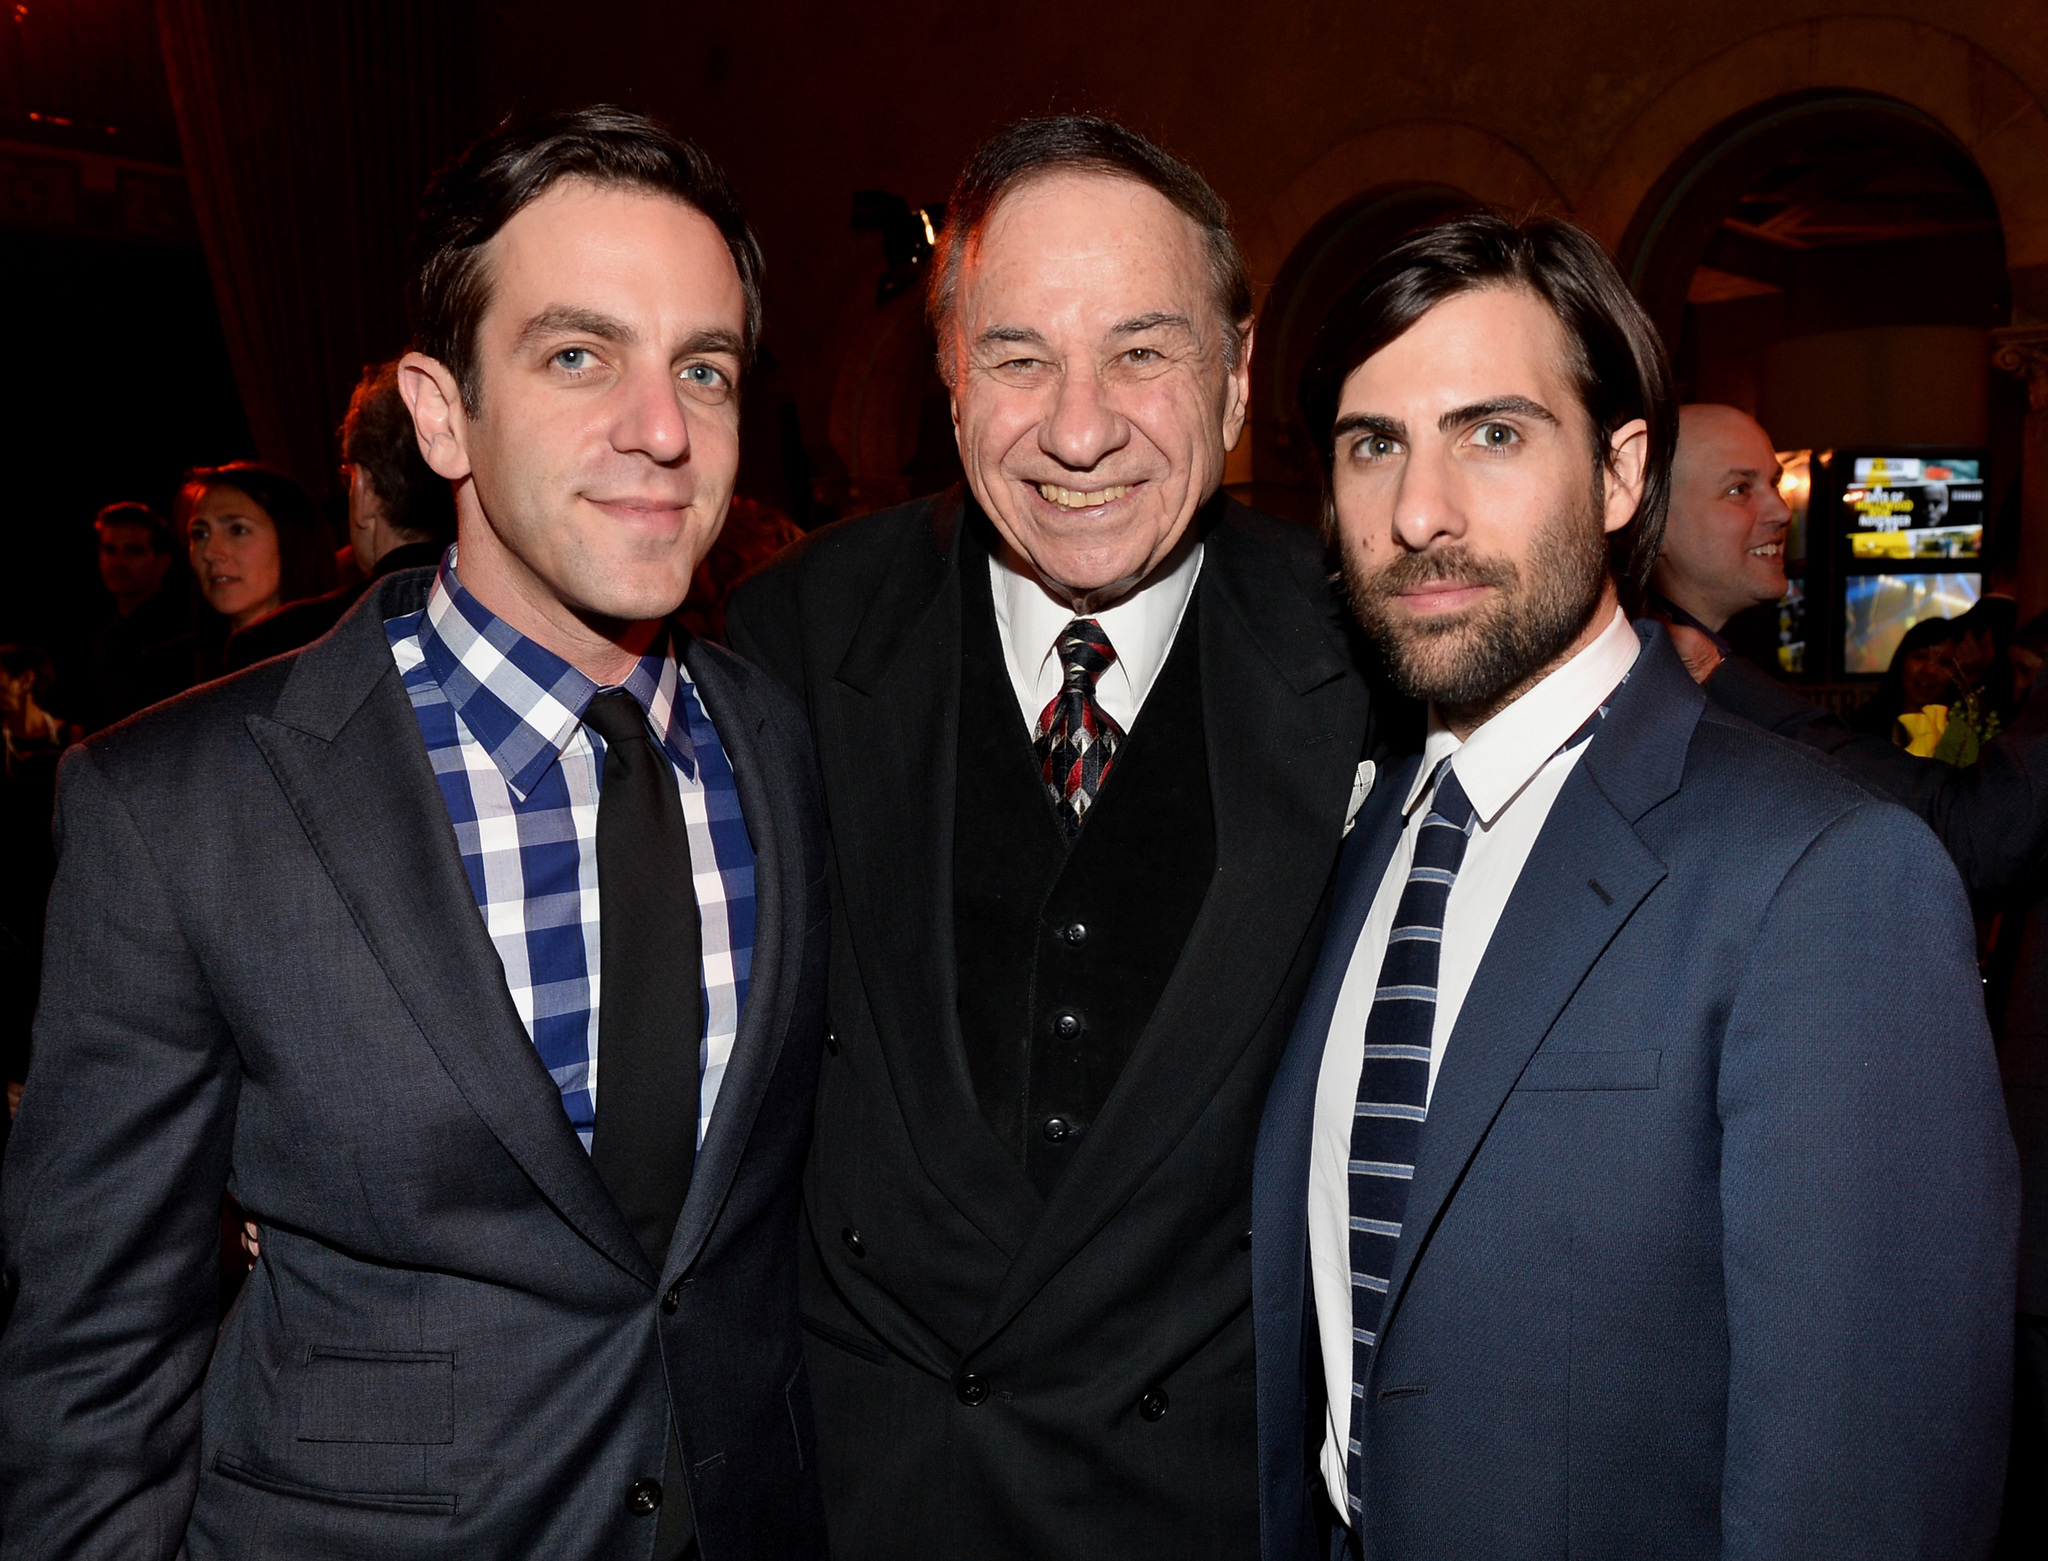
(573,358)
(703,374)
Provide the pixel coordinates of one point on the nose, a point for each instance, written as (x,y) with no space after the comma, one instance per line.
(651,420)
(1083,425)
(1774,510)
(1426,504)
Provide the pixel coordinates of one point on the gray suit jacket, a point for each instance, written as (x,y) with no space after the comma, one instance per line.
(266,972)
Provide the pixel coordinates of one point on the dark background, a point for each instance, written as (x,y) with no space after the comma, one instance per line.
(204,207)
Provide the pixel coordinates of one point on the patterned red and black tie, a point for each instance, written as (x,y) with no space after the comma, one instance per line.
(1077,741)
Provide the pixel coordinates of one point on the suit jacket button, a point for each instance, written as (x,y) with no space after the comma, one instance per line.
(853,1242)
(1057,1129)
(673,1299)
(1066,1025)
(1075,932)
(1244,1242)
(1153,1405)
(832,1042)
(972,1390)
(643,1497)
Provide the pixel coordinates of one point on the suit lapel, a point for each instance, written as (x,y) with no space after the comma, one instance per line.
(1586,875)
(778,952)
(1285,716)
(346,751)
(894,714)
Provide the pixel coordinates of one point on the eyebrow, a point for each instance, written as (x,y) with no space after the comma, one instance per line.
(1498,406)
(1157,320)
(567,319)
(1394,428)
(1009,335)
(715,338)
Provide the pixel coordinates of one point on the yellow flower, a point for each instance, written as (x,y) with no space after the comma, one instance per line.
(1925,729)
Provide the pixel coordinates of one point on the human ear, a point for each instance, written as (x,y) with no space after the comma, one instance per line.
(1238,387)
(435,401)
(1628,465)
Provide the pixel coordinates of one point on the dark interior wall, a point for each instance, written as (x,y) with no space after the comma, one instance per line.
(806,103)
(131,387)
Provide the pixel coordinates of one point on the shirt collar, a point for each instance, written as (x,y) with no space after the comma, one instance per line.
(1498,760)
(522,702)
(1141,628)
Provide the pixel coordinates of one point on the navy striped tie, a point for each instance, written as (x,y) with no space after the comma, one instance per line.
(1393,1087)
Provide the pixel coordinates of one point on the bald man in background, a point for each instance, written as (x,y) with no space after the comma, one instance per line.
(1724,548)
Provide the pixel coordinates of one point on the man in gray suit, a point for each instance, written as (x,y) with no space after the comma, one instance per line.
(396,939)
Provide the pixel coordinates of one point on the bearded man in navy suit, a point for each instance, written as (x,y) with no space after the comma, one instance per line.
(1636,1180)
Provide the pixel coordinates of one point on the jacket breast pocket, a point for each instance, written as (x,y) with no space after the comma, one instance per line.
(1570,1070)
(393,1396)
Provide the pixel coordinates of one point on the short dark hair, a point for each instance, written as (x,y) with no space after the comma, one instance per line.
(1033,148)
(129,513)
(467,202)
(1617,363)
(378,435)
(305,547)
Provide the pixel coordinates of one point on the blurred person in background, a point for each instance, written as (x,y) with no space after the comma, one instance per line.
(401,515)
(1922,673)
(1724,547)
(1983,655)
(127,662)
(31,739)
(255,541)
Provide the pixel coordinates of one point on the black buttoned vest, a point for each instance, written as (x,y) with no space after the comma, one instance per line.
(1062,952)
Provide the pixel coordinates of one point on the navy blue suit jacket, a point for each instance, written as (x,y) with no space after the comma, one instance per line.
(1710,1246)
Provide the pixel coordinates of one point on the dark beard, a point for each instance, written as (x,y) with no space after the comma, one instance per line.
(1474,664)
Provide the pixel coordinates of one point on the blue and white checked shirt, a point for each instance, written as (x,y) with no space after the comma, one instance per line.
(520,774)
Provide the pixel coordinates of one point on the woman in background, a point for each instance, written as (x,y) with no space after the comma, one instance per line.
(255,541)
(1922,673)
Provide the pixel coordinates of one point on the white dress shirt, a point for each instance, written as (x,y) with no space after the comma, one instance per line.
(1512,769)
(1141,630)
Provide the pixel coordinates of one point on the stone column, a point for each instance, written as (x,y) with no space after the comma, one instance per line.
(2023,350)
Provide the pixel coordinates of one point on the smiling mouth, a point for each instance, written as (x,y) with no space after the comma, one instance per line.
(1767,550)
(1076,498)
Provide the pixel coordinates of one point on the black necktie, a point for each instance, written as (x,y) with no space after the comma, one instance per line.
(650,1017)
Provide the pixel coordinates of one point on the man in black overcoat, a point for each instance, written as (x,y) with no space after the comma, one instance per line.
(1089,733)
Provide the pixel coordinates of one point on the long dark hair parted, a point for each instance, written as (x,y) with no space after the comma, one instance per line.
(305,547)
(1618,365)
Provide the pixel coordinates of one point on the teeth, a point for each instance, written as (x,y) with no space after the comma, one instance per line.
(1072,498)
(1767,550)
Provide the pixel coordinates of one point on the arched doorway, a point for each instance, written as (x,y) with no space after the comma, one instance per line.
(1833,263)
(1329,258)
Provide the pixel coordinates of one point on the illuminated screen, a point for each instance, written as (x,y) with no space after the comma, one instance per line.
(1792,627)
(1906,507)
(1879,609)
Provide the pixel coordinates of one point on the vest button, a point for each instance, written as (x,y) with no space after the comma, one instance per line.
(643,1497)
(853,1242)
(1066,1025)
(673,1299)
(972,1390)
(832,1042)
(1153,1405)
(1057,1130)
(1076,933)
(1244,1242)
